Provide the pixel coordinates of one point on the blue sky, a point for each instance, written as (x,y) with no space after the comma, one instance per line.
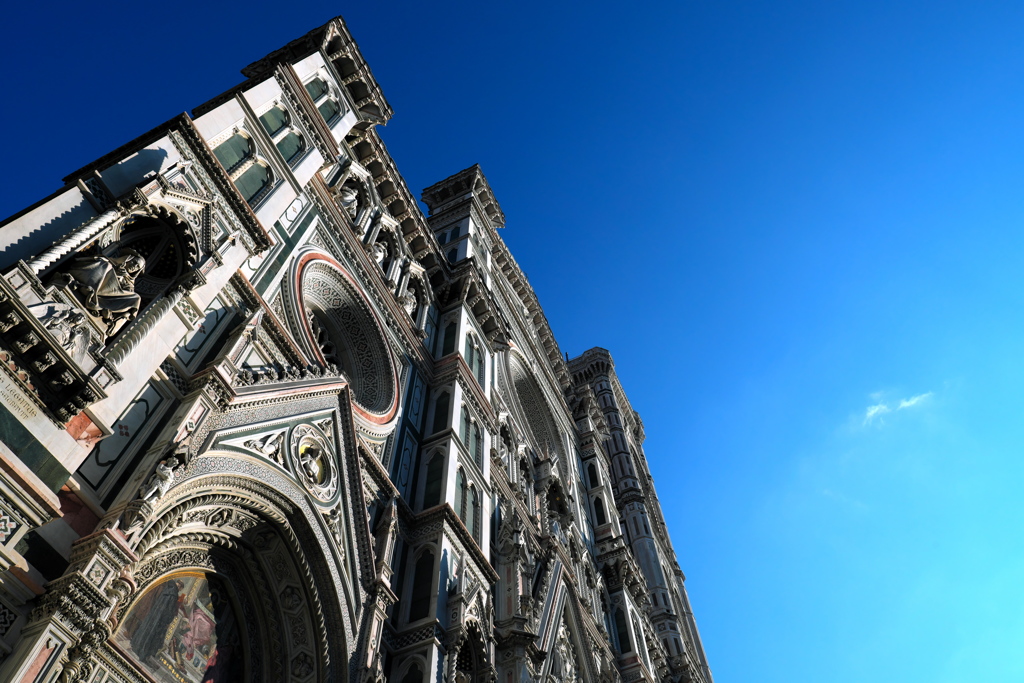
(778,216)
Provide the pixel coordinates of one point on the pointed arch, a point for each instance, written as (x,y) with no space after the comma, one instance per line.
(214,527)
(422,585)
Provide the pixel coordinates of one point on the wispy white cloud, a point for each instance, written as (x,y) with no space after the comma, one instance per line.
(913,400)
(878,409)
(874,411)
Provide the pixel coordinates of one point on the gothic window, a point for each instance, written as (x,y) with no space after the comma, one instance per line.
(599,511)
(234,151)
(640,640)
(432,487)
(328,109)
(316,88)
(470,351)
(453,255)
(476,445)
(449,339)
(464,427)
(466,503)
(460,495)
(592,476)
(472,512)
(274,120)
(419,603)
(442,237)
(535,407)
(475,357)
(622,632)
(291,145)
(325,104)
(252,177)
(344,319)
(441,412)
(253,181)
(413,675)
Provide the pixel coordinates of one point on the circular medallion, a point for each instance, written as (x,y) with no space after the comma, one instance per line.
(314,462)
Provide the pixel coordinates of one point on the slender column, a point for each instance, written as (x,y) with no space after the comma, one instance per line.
(371,236)
(403,280)
(76,239)
(139,328)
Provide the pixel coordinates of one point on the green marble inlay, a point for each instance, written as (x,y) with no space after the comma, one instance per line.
(31,452)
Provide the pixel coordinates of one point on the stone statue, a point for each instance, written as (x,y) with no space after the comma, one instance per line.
(66,324)
(380,252)
(349,197)
(160,481)
(269,446)
(408,302)
(309,459)
(106,285)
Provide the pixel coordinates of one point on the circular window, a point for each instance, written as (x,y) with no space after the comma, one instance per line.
(343,330)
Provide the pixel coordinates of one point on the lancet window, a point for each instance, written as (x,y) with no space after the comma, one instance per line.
(448,345)
(413,675)
(321,95)
(423,577)
(471,436)
(599,513)
(289,142)
(251,176)
(467,503)
(432,485)
(622,631)
(441,412)
(475,358)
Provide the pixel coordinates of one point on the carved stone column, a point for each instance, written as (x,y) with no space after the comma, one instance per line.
(74,240)
(73,618)
(386,534)
(139,328)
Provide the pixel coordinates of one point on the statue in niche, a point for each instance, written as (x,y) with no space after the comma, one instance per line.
(380,252)
(67,325)
(408,302)
(349,197)
(106,285)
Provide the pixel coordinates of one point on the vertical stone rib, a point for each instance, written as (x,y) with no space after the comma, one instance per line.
(142,326)
(76,239)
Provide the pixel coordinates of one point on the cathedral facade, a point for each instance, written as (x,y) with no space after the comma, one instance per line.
(263,419)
